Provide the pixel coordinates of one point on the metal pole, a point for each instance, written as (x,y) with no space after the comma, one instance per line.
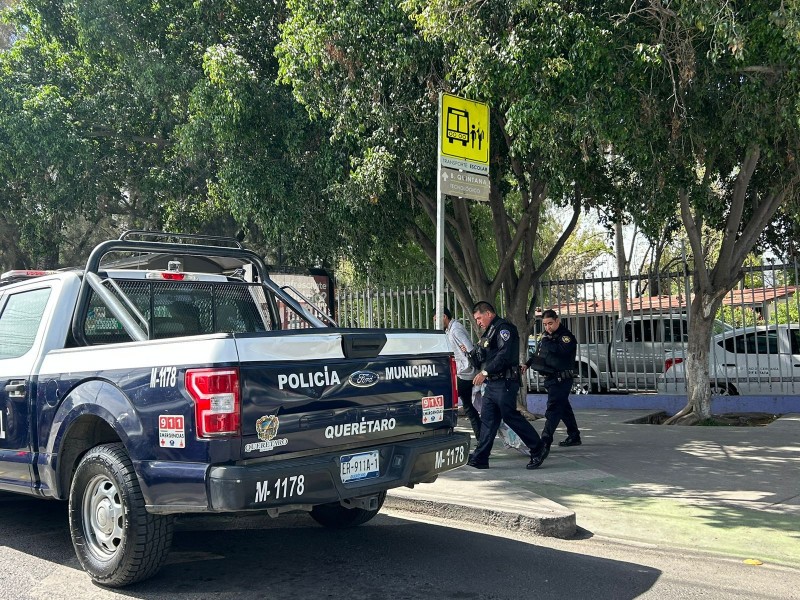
(439,224)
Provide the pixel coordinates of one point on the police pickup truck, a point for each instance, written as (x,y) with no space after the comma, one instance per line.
(137,394)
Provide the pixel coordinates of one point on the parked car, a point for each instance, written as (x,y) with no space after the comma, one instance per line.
(634,357)
(751,360)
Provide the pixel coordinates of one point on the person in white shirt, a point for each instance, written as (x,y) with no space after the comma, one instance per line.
(461,344)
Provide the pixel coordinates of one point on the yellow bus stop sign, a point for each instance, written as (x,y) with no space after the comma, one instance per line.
(464,131)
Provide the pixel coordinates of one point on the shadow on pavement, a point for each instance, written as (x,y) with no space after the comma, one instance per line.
(294,558)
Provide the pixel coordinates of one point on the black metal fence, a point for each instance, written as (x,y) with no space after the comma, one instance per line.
(630,328)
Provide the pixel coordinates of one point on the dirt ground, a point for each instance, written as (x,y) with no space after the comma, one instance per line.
(726,420)
(741,420)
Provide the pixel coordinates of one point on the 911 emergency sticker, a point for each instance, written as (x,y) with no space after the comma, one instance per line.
(432,409)
(171,431)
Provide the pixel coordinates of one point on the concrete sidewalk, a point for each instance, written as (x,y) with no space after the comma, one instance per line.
(733,491)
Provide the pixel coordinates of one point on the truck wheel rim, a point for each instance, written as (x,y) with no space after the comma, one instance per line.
(103,517)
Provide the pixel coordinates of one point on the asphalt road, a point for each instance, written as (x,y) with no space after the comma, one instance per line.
(396,556)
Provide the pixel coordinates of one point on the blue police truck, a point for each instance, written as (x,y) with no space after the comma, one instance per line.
(137,389)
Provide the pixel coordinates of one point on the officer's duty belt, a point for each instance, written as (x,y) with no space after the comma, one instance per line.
(512,374)
(561,375)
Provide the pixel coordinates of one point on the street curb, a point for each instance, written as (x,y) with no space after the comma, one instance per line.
(562,527)
(469,499)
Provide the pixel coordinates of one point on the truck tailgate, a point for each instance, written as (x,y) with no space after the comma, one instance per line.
(314,392)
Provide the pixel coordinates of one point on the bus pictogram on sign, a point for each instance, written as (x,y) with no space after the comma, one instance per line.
(457,125)
(464,130)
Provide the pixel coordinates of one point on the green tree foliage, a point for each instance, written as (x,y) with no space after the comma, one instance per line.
(717,134)
(132,113)
(739,316)
(376,69)
(787,312)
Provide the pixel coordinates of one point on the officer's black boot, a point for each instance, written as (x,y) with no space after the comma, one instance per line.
(571,441)
(537,457)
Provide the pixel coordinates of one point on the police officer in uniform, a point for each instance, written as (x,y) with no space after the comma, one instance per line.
(497,357)
(555,360)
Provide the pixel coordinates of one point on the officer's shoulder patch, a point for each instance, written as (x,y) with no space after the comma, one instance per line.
(566,339)
(505,334)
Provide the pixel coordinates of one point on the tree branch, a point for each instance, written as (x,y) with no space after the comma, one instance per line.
(734,220)
(695,240)
(451,275)
(562,239)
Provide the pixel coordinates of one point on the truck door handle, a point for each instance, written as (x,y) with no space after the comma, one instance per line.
(16,388)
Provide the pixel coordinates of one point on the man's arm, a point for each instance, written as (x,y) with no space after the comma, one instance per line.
(461,337)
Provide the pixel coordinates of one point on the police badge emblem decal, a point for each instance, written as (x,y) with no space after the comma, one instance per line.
(267,427)
(505,334)
(566,339)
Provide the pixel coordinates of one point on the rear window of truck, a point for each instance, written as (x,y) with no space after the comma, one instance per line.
(171,309)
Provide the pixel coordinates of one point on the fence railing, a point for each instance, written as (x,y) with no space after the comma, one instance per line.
(401,307)
(654,309)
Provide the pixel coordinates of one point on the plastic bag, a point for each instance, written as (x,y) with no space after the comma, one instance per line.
(509,438)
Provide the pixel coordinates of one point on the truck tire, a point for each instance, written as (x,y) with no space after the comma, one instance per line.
(116,540)
(336,516)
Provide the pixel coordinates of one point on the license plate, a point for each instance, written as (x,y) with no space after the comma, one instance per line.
(355,467)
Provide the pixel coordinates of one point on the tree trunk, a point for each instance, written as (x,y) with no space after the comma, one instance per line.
(697,382)
(622,269)
(518,315)
(702,313)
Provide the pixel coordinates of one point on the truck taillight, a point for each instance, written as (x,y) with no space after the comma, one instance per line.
(454,381)
(217,401)
(671,362)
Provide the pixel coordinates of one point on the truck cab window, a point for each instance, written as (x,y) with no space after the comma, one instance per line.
(639,331)
(20,321)
(675,330)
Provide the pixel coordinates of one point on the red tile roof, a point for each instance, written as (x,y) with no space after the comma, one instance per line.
(658,304)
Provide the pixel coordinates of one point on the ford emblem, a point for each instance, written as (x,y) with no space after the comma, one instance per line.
(364,378)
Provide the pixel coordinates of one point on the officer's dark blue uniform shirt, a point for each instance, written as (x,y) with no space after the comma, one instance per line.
(558,349)
(498,349)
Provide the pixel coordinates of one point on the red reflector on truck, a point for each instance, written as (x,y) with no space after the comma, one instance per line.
(217,401)
(670,362)
(25,273)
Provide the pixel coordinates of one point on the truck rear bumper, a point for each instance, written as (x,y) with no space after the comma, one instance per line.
(319,480)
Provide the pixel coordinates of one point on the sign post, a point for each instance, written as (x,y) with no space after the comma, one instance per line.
(439,231)
(463,167)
